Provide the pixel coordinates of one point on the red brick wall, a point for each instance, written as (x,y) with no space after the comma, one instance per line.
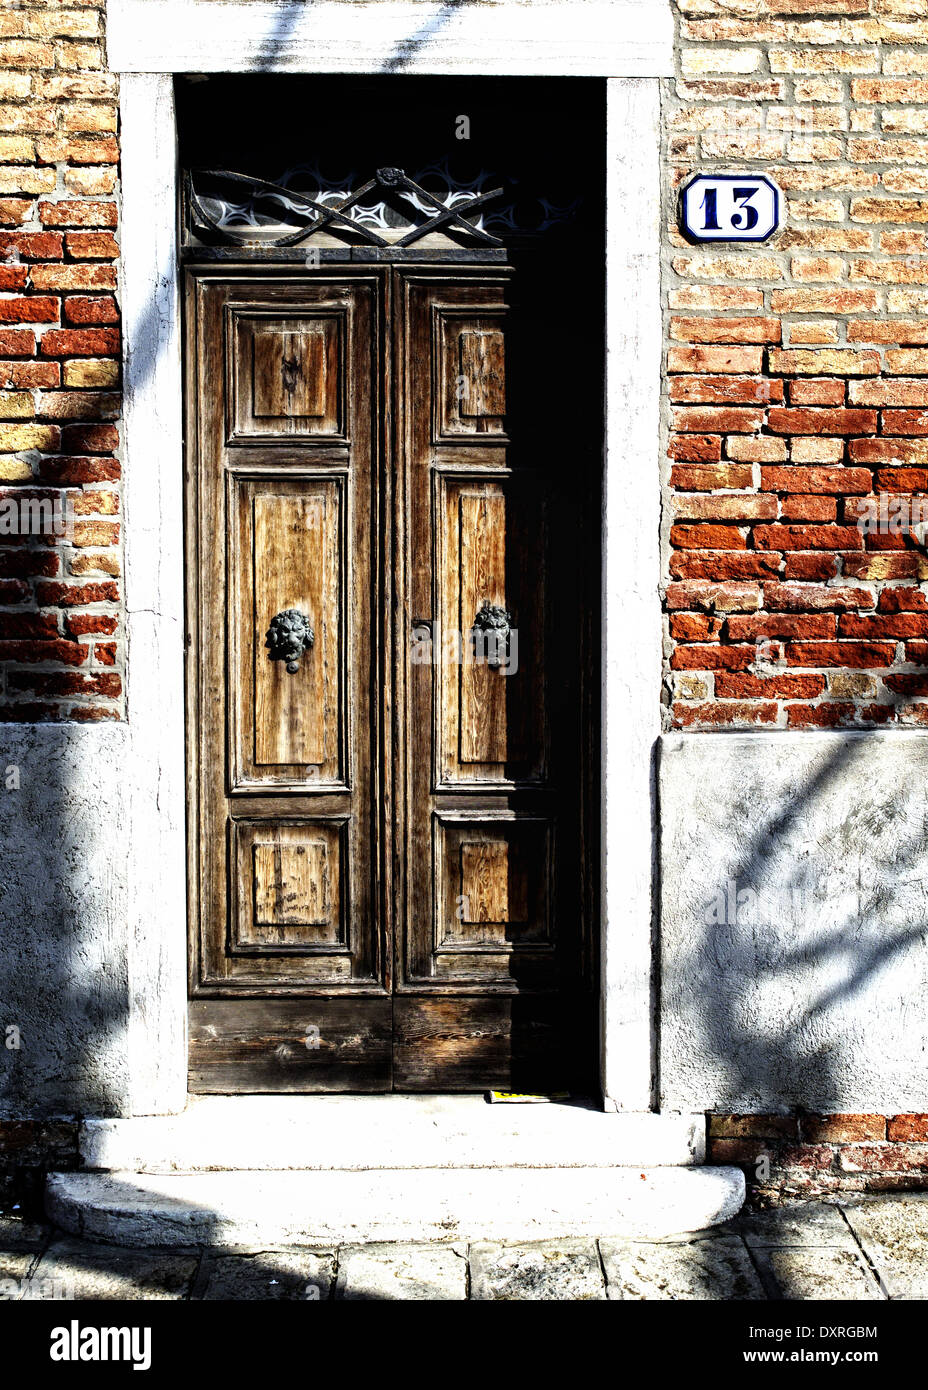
(803,1154)
(797,371)
(61,648)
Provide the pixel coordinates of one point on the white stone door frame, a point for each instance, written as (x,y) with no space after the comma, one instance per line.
(629,42)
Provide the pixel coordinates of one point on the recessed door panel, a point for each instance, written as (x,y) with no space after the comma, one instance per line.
(288,565)
(286,376)
(289,887)
(490,544)
(292,565)
(494,909)
(469,363)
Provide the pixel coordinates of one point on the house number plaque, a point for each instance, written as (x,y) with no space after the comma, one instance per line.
(730,207)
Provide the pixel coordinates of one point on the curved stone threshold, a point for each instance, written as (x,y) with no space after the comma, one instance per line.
(255,1209)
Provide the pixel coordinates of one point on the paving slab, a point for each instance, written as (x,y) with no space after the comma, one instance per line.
(269,1275)
(14,1270)
(894,1233)
(76,1269)
(556,1271)
(802,1224)
(402,1272)
(716,1269)
(808,1274)
(802,1251)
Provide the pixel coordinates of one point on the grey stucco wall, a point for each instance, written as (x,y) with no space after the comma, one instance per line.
(794,922)
(63,936)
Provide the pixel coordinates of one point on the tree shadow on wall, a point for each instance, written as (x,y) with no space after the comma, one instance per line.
(795,914)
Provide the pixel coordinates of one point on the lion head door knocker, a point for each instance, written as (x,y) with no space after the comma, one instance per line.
(288,637)
(490,633)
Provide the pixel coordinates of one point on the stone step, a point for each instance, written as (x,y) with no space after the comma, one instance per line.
(325,1208)
(376,1132)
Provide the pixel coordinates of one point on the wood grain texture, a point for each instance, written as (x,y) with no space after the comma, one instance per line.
(287,549)
(470,370)
(482,374)
(494,896)
(289,894)
(285,376)
(519,1043)
(485,884)
(294,561)
(296,884)
(289,373)
(482,688)
(490,542)
(290,1045)
(291,884)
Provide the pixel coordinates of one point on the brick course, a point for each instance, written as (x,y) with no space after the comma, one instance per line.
(59,363)
(796,375)
(804,1154)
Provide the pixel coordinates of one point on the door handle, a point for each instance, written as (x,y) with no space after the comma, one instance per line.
(288,637)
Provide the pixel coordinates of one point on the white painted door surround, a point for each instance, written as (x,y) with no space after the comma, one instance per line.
(630,44)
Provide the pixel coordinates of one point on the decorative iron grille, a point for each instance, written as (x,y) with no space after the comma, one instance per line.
(391,209)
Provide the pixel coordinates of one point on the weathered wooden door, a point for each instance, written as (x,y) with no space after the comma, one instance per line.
(388,732)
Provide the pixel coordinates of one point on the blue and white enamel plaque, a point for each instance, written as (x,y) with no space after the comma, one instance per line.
(730,207)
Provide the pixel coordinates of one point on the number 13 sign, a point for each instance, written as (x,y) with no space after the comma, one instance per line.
(730,207)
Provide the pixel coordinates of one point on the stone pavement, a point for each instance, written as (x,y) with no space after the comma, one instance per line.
(844,1248)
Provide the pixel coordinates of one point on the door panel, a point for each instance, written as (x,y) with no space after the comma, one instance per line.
(289,891)
(489,549)
(285,376)
(493,897)
(468,354)
(387,844)
(283,520)
(288,727)
(490,922)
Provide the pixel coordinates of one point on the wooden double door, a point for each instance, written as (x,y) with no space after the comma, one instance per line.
(390,719)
